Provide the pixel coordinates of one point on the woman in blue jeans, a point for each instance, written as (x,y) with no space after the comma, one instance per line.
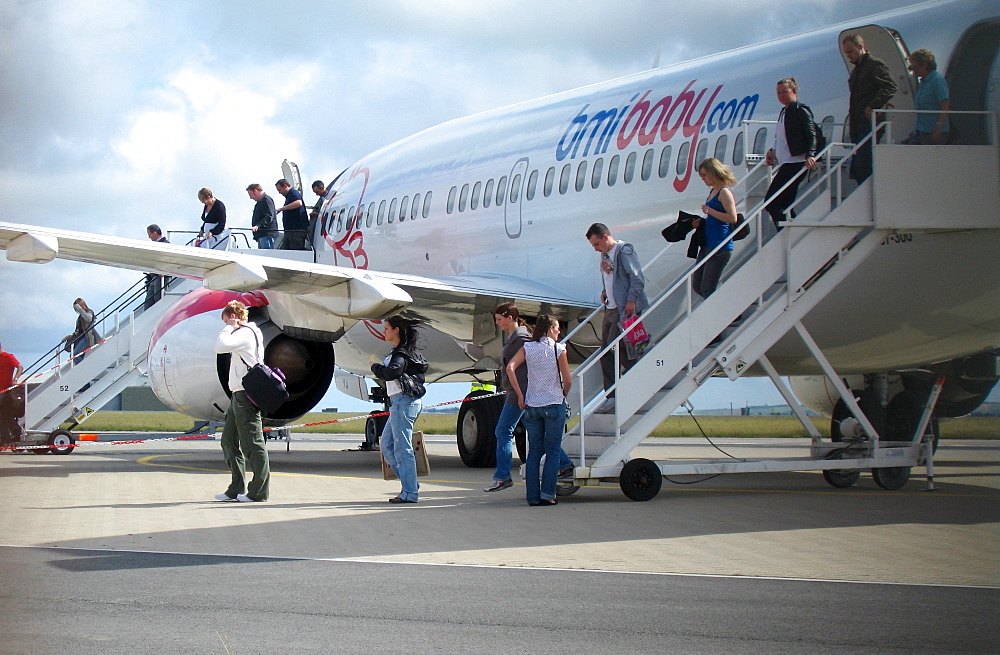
(544,404)
(403,372)
(508,319)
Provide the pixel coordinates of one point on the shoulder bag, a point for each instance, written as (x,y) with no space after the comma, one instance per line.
(264,386)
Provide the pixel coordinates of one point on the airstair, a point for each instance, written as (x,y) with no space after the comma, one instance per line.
(72,388)
(771,285)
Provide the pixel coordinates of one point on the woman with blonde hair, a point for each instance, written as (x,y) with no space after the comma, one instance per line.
(243,435)
(720,217)
(213,219)
(85,336)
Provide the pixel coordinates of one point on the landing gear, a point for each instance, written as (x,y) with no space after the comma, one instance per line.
(373,430)
(61,442)
(903,416)
(640,479)
(477,421)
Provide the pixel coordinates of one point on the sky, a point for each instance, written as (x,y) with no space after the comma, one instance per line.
(113,114)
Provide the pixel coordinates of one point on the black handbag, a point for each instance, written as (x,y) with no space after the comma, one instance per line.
(264,386)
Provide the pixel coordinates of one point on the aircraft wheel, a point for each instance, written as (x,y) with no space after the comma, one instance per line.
(61,442)
(640,479)
(841,478)
(521,442)
(891,478)
(869,405)
(903,416)
(477,422)
(373,430)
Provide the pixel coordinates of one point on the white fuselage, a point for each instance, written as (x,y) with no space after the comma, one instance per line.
(623,153)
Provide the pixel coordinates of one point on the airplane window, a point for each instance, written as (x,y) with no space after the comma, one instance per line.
(381,212)
(581,175)
(488,193)
(759,141)
(564,179)
(613,170)
(682,157)
(701,153)
(550,177)
(370,215)
(415,207)
(515,187)
(404,208)
(532,182)
(463,197)
(391,216)
(350,219)
(427,204)
(501,190)
(647,165)
(630,167)
(476,189)
(738,149)
(451,199)
(720,148)
(664,169)
(595,176)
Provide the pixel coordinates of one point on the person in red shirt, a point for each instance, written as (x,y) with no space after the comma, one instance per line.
(10,371)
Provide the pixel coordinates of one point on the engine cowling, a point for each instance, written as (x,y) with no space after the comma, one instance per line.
(187,375)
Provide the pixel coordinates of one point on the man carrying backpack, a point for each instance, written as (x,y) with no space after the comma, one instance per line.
(795,147)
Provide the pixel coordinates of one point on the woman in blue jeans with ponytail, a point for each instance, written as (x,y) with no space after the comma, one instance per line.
(508,319)
(403,372)
(544,403)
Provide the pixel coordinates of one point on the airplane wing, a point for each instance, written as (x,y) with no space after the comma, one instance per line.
(359,294)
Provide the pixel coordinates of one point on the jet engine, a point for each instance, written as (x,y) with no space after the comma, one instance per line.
(187,375)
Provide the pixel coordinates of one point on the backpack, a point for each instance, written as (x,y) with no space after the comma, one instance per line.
(816,129)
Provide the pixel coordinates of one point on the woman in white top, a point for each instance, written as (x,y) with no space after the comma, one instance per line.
(544,405)
(243,434)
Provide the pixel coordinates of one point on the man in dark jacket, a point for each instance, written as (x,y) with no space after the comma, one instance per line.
(794,148)
(296,217)
(264,221)
(872,87)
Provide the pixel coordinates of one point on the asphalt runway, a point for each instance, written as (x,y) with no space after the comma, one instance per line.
(122,549)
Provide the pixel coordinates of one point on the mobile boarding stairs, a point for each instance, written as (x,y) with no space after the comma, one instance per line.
(771,286)
(72,388)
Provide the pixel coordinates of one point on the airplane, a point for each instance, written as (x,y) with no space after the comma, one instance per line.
(447,223)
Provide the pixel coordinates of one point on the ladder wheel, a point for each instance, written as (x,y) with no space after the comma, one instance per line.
(891,478)
(841,478)
(61,442)
(640,479)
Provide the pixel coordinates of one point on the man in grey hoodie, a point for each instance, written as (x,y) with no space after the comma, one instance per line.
(623,295)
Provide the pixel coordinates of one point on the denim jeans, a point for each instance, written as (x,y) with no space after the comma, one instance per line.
(545,427)
(509,416)
(397,442)
(265,243)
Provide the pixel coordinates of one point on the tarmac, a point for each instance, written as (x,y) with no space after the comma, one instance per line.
(329,502)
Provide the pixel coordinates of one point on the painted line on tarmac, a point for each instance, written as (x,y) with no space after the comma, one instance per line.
(690,488)
(554,569)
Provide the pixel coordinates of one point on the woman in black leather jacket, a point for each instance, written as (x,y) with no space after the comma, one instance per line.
(794,147)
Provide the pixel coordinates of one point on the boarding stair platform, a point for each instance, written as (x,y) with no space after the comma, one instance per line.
(771,286)
(72,388)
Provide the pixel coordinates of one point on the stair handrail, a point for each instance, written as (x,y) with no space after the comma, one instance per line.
(683,280)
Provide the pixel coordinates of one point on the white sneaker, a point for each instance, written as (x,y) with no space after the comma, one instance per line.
(607,407)
(243,498)
(224,498)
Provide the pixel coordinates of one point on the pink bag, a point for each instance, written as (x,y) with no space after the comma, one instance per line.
(638,334)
